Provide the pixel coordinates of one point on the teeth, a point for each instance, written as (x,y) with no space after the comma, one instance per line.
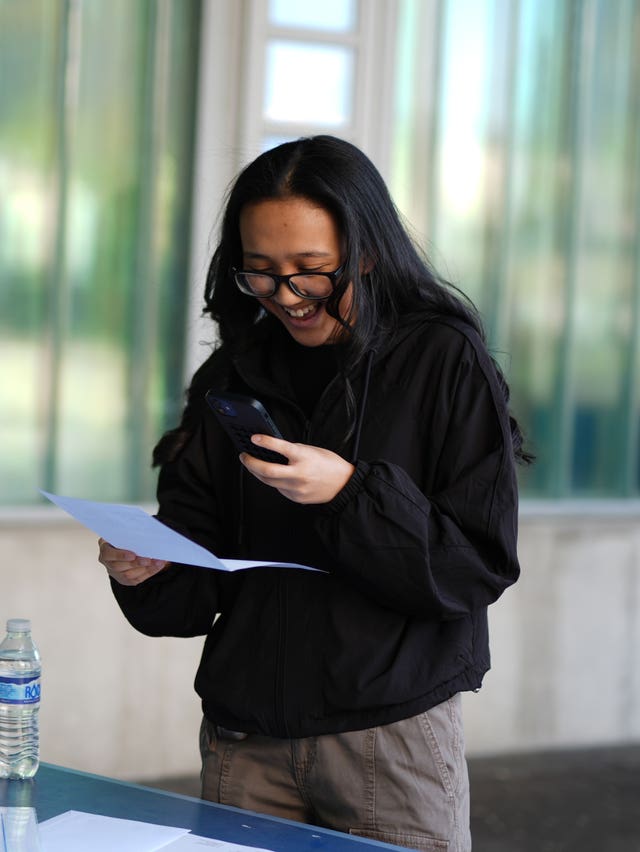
(301,312)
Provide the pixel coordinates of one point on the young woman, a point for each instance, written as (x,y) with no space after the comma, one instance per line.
(333,697)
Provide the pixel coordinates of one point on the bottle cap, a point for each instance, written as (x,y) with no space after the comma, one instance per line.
(18,625)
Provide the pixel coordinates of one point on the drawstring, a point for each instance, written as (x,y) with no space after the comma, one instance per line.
(363,403)
(241,514)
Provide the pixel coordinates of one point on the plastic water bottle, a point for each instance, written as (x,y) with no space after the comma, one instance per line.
(19,701)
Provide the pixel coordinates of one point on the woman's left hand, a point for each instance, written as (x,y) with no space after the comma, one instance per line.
(313,475)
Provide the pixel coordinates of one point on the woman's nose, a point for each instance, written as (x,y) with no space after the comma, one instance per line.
(284,295)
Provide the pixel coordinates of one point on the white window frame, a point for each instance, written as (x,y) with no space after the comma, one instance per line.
(373,41)
(230,124)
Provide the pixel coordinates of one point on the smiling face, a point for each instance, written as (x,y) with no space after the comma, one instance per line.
(289,235)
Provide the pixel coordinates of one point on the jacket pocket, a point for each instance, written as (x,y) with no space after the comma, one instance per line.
(375,657)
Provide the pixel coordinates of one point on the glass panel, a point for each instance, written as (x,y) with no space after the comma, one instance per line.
(96,160)
(533,201)
(604,311)
(462,156)
(28,35)
(571,276)
(99,252)
(336,15)
(308,83)
(537,268)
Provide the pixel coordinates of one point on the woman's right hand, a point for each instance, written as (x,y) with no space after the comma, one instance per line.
(126,567)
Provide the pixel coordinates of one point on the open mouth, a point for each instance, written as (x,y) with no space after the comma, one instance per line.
(302,313)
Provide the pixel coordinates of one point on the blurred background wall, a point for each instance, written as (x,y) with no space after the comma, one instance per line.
(509,134)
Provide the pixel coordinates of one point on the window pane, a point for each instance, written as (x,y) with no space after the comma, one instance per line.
(605,292)
(459,226)
(28,35)
(99,252)
(532,194)
(537,270)
(336,15)
(96,160)
(308,83)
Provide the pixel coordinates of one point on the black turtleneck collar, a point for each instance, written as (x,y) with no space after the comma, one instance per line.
(311,368)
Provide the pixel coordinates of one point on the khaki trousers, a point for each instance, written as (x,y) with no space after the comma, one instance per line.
(404,783)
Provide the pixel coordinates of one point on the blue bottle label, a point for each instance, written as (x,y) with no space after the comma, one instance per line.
(20,690)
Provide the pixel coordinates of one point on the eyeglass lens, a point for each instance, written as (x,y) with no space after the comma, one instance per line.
(312,285)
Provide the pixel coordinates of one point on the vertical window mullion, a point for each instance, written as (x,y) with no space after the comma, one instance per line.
(415,156)
(631,485)
(220,89)
(431,224)
(564,403)
(500,236)
(65,106)
(143,298)
(255,40)
(375,75)
(173,311)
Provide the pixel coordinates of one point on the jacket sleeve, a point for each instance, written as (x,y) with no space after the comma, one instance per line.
(445,553)
(182,600)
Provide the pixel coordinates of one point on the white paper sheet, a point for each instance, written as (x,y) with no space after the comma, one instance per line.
(193,843)
(131,528)
(76,831)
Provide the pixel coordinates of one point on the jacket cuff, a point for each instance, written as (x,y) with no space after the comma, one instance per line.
(354,486)
(161,577)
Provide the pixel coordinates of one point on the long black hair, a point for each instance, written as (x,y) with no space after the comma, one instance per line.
(389,276)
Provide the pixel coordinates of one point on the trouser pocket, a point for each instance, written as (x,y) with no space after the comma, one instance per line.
(411,841)
(405,783)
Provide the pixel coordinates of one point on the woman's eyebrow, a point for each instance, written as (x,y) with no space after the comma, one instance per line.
(256,255)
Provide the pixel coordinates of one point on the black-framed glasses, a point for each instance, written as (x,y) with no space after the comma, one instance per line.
(307,285)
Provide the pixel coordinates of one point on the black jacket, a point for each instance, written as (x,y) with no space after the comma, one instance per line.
(418,543)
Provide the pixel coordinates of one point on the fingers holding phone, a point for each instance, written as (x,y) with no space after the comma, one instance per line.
(300,472)
(313,474)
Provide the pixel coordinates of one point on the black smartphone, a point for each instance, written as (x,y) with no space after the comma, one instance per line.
(241,417)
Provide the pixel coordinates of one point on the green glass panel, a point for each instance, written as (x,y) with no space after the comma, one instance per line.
(28,60)
(537,266)
(604,292)
(102,136)
(532,201)
(101,232)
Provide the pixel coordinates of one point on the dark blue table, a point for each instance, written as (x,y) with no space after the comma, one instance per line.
(55,790)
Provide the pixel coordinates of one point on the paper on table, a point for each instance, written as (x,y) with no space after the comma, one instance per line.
(131,528)
(76,831)
(194,843)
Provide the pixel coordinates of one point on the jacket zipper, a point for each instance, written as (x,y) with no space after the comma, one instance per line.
(280,681)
